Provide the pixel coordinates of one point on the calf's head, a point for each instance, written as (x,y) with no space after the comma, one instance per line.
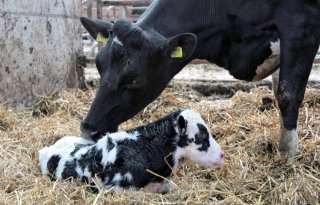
(135,66)
(195,141)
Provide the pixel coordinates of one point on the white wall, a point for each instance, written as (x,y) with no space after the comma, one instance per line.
(38,42)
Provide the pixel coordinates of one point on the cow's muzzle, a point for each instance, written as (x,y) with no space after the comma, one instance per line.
(89,131)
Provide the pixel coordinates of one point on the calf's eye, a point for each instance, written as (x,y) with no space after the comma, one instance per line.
(200,137)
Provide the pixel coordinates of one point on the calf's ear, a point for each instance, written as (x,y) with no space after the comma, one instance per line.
(98,29)
(181,47)
(182,125)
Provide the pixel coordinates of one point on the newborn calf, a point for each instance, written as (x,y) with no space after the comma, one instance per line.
(131,159)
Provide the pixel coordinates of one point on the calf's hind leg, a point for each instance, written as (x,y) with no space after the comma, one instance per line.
(289,85)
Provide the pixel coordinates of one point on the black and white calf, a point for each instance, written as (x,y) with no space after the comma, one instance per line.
(125,159)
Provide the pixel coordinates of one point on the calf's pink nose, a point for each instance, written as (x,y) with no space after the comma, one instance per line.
(222,155)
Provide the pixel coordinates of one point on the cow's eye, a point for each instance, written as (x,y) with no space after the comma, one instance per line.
(134,84)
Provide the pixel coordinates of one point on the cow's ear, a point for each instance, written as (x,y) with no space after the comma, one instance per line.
(182,125)
(181,47)
(98,29)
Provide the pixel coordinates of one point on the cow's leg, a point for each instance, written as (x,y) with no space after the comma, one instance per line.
(289,87)
(289,139)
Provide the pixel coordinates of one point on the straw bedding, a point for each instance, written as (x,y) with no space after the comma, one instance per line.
(246,126)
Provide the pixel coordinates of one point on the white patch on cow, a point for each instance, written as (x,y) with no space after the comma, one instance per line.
(63,148)
(87,173)
(120,136)
(211,157)
(61,166)
(289,142)
(44,156)
(275,47)
(117,41)
(271,64)
(102,143)
(109,157)
(81,152)
(79,170)
(177,155)
(70,141)
(128,177)
(117,178)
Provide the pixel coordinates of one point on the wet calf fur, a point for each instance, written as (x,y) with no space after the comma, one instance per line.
(122,159)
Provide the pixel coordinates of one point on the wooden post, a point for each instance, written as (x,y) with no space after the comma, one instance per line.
(89,8)
(99,16)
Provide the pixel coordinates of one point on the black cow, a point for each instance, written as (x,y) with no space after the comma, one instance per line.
(243,36)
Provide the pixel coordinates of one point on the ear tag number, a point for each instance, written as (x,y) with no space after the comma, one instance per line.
(101,38)
(177,53)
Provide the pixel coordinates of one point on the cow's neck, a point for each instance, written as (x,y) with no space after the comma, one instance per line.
(171,17)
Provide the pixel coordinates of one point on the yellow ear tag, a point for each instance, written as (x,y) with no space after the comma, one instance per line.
(101,38)
(177,53)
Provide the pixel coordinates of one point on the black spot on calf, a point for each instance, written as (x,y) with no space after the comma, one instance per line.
(69,169)
(52,164)
(202,138)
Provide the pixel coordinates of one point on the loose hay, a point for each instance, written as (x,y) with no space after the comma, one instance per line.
(254,173)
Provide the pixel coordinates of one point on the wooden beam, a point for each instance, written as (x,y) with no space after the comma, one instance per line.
(89,8)
(99,16)
(126,2)
(196,61)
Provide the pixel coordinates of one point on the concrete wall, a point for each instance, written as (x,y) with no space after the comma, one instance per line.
(38,44)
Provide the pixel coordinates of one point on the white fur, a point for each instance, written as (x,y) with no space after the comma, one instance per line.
(128,176)
(275,47)
(289,141)
(117,178)
(109,157)
(64,147)
(120,136)
(116,137)
(117,41)
(270,64)
(87,173)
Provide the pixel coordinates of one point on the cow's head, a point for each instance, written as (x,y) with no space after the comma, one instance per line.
(135,66)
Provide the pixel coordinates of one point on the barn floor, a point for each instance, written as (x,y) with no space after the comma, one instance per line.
(245,125)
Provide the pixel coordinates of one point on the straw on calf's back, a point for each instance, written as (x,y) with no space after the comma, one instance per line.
(122,159)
